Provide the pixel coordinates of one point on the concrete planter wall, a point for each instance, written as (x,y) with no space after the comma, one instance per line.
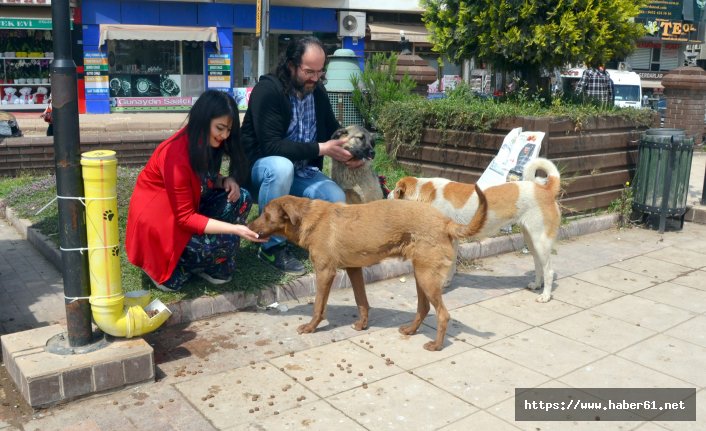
(597,158)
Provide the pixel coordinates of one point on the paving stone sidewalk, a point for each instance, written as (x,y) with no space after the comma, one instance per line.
(629,310)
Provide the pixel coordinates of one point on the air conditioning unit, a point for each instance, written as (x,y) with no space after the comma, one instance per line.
(351,23)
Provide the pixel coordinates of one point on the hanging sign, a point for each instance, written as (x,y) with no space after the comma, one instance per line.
(95,64)
(219,72)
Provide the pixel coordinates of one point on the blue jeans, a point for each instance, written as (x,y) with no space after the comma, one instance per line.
(274,176)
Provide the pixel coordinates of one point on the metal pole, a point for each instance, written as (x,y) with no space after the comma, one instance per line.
(262,41)
(69,183)
(703,192)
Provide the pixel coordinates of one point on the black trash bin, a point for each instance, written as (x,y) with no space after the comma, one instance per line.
(661,183)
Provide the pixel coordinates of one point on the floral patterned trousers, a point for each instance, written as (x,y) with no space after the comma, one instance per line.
(214,254)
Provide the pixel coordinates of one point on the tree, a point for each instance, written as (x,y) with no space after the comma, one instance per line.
(529,35)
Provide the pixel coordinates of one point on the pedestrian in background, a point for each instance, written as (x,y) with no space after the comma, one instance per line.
(286,132)
(185,217)
(596,84)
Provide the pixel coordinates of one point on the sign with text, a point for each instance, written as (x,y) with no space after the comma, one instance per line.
(137,104)
(95,65)
(219,72)
(27,2)
(672,20)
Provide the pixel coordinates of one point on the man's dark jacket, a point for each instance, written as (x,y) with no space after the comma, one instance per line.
(267,119)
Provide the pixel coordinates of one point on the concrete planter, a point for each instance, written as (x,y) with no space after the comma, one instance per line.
(595,159)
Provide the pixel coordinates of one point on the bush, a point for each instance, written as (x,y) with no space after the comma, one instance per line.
(403,121)
(377,86)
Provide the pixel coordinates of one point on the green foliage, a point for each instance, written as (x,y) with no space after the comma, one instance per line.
(402,122)
(377,86)
(623,206)
(527,36)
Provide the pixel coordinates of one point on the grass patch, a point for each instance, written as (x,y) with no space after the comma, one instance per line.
(28,193)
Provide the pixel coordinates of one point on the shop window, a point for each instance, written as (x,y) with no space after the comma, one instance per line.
(656,55)
(193,58)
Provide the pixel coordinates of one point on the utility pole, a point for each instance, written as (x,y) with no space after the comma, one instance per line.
(69,183)
(262,30)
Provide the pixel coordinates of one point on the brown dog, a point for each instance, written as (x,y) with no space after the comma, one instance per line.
(354,236)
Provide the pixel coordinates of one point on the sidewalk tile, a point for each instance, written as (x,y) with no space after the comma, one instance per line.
(481,420)
(581,293)
(316,416)
(671,356)
(401,402)
(693,279)
(680,256)
(616,372)
(244,394)
(335,368)
(656,269)
(545,352)
(598,330)
(407,351)
(644,312)
(479,326)
(617,279)
(480,377)
(693,331)
(522,305)
(677,295)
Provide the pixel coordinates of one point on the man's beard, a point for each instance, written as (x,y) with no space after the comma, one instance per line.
(300,87)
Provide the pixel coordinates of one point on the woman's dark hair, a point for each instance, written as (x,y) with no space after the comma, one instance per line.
(293,55)
(204,158)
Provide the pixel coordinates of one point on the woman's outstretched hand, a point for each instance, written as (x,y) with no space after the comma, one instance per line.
(244,232)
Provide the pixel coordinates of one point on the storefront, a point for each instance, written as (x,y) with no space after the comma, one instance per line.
(25,55)
(670,25)
(159,56)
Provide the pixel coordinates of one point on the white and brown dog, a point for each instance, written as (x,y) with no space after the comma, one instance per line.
(531,203)
(360,185)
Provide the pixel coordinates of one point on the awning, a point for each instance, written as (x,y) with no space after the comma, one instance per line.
(156,32)
(648,83)
(391,32)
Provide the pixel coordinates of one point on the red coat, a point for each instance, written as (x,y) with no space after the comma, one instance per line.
(162,215)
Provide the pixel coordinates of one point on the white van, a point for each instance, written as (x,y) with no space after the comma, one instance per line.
(627,88)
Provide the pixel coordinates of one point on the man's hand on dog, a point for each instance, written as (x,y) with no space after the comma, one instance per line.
(334,149)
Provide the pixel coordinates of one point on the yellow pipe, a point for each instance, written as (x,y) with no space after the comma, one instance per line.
(112,311)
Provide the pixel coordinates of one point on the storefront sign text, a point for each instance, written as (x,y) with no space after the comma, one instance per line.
(27,2)
(96,73)
(219,72)
(153,101)
(651,75)
(26,23)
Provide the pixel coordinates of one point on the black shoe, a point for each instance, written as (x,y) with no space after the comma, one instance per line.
(281,258)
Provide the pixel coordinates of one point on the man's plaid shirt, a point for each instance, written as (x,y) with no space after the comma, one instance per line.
(596,84)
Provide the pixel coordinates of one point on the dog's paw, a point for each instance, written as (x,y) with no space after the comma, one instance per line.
(533,286)
(360,325)
(408,330)
(306,329)
(544,297)
(432,346)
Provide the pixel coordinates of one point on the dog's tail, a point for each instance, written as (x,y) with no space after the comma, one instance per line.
(477,223)
(553,179)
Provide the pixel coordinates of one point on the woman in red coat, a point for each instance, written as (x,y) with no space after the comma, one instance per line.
(185,217)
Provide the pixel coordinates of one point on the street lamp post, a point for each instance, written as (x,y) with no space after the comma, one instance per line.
(69,184)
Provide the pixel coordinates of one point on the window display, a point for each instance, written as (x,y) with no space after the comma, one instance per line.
(161,73)
(25,57)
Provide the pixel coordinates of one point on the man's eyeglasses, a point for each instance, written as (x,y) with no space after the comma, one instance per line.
(313,73)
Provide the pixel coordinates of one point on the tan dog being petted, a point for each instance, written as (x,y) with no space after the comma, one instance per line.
(531,203)
(362,184)
(354,236)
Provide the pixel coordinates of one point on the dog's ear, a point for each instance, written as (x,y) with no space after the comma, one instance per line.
(340,132)
(292,210)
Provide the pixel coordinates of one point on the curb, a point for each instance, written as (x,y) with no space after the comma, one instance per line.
(200,308)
